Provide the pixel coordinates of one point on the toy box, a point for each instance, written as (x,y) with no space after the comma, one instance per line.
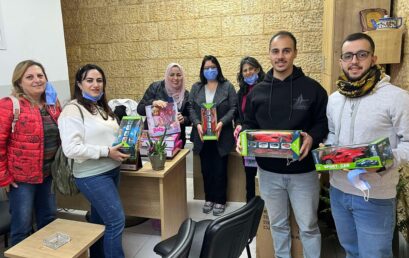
(271,143)
(160,119)
(171,140)
(130,130)
(377,154)
(209,121)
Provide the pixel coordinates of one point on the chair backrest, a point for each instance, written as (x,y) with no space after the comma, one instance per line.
(184,240)
(257,217)
(227,236)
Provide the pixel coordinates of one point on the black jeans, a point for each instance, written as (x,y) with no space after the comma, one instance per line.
(214,171)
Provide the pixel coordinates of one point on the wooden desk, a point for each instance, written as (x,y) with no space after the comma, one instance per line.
(82,234)
(149,194)
(236,179)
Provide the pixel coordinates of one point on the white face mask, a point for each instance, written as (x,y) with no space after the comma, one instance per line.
(354,177)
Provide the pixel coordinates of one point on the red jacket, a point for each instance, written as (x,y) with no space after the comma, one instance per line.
(21,153)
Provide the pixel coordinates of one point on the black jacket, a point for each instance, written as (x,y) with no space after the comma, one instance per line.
(157,91)
(226,106)
(297,103)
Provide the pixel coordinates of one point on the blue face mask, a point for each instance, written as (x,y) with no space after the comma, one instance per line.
(50,94)
(251,80)
(210,73)
(92,98)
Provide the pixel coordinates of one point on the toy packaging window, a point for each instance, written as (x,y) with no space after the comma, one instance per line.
(209,121)
(173,144)
(377,154)
(271,143)
(160,119)
(129,133)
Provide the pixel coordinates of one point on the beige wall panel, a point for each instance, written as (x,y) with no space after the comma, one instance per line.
(400,72)
(141,32)
(227,46)
(183,48)
(242,25)
(199,28)
(168,30)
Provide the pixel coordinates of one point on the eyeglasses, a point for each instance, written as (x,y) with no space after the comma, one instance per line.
(360,55)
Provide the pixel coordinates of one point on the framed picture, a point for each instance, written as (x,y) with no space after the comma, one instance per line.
(368,16)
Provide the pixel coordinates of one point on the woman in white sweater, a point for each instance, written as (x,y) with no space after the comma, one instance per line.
(88,140)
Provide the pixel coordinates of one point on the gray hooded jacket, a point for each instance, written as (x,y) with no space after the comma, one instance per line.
(382,113)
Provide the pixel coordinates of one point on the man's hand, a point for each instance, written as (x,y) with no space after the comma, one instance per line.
(159,103)
(200,131)
(306,145)
(219,128)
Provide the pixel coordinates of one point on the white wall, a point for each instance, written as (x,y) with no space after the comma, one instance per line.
(33,29)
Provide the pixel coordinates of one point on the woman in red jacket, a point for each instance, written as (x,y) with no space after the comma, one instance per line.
(25,153)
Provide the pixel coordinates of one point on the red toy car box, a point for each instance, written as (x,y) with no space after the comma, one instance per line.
(377,154)
(271,143)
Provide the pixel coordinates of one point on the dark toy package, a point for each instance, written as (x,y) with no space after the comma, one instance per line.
(209,121)
(130,130)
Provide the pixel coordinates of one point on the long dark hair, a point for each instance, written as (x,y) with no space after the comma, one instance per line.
(213,59)
(89,105)
(244,87)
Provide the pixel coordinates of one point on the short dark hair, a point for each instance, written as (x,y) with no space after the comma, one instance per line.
(358,36)
(285,34)
(219,78)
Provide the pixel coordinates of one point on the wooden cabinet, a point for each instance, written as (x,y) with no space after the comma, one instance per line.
(341,18)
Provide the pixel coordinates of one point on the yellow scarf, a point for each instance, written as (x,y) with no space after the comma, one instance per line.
(363,86)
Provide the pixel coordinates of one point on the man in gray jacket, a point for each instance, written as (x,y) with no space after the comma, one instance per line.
(366,107)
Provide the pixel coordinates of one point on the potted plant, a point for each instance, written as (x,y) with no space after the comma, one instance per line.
(156,152)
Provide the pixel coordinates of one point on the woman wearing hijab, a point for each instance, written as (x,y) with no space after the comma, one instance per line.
(171,89)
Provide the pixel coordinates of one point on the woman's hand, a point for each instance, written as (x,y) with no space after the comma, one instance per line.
(181,119)
(12,184)
(159,103)
(219,128)
(115,154)
(200,131)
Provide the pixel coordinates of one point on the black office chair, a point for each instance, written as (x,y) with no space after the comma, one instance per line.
(225,237)
(5,219)
(184,240)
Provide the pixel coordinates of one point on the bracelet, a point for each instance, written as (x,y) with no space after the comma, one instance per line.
(109,151)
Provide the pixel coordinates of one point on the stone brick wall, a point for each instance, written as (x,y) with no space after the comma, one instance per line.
(400,72)
(134,40)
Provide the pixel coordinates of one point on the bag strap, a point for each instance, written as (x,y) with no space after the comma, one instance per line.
(16,111)
(79,108)
(82,116)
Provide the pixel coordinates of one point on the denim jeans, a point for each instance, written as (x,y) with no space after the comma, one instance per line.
(26,200)
(364,228)
(106,209)
(302,191)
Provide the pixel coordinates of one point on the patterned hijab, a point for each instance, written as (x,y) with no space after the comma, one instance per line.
(177,92)
(362,87)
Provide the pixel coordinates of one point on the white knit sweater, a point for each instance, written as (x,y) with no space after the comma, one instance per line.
(87,141)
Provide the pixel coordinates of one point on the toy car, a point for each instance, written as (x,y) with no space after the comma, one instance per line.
(344,155)
(367,163)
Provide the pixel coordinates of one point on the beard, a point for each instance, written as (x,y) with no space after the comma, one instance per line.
(350,79)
